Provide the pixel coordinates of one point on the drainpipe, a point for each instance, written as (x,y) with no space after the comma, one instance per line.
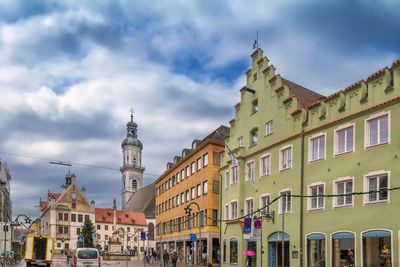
(301,199)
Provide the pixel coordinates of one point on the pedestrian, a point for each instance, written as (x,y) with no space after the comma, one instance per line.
(154,256)
(174,258)
(166,258)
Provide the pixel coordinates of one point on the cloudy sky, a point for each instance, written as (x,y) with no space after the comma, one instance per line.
(71,70)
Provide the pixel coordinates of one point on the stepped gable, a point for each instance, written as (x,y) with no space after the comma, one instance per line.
(305,96)
(143,200)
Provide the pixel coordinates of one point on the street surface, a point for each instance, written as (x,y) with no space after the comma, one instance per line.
(60,261)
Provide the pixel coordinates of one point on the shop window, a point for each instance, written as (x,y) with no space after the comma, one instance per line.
(344,139)
(285,160)
(316,148)
(377,248)
(377,183)
(316,254)
(233,256)
(377,130)
(343,187)
(265,165)
(343,249)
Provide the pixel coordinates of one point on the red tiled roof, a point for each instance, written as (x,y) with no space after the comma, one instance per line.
(354,85)
(122,217)
(396,62)
(43,205)
(55,196)
(377,73)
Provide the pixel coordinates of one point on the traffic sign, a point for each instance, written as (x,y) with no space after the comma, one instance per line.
(257,234)
(247,225)
(94,236)
(143,236)
(192,237)
(23,238)
(80,239)
(257,224)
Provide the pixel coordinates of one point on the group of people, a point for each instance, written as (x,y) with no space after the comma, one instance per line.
(173,257)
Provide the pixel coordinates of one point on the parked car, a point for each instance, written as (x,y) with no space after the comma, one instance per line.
(86,257)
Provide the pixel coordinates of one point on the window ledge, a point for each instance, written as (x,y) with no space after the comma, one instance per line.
(252,145)
(316,209)
(344,206)
(268,135)
(316,160)
(265,175)
(377,145)
(376,202)
(343,153)
(281,170)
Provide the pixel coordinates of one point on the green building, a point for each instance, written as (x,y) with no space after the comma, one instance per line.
(287,142)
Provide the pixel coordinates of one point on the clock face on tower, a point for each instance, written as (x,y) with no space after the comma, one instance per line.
(74,195)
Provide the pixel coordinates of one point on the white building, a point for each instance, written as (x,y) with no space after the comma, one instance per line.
(63,214)
(5,206)
(124,227)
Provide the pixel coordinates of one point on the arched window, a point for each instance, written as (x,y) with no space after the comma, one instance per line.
(134,161)
(379,243)
(316,254)
(151,231)
(343,248)
(134,184)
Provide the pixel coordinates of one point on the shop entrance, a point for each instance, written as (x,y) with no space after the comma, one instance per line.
(275,250)
(189,252)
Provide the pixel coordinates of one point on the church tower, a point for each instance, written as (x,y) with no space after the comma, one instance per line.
(131,170)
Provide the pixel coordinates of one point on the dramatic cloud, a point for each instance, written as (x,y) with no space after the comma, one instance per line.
(70,72)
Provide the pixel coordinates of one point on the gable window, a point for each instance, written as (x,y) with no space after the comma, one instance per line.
(377,182)
(285,202)
(254,137)
(193,167)
(316,202)
(199,190)
(205,159)
(264,204)
(233,209)
(377,130)
(199,164)
(344,139)
(343,186)
(255,106)
(205,188)
(248,207)
(234,171)
(240,142)
(268,128)
(265,165)
(250,166)
(285,158)
(316,148)
(227,178)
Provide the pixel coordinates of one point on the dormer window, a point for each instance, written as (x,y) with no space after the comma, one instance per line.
(108,213)
(254,137)
(255,106)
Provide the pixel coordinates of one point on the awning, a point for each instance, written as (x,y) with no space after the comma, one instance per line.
(277,237)
(343,235)
(377,234)
(316,237)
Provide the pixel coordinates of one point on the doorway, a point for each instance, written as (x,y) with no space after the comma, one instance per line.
(275,250)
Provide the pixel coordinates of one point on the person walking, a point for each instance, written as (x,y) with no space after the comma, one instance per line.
(174,258)
(166,258)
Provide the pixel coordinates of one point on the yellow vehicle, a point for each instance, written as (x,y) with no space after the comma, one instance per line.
(39,250)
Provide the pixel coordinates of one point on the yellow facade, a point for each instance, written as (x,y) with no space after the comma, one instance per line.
(200,167)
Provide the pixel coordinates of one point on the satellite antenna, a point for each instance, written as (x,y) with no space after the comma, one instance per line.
(256,45)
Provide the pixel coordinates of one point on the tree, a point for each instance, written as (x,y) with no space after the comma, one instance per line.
(87,233)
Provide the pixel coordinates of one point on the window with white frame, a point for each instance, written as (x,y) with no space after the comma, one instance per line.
(286,158)
(178,178)
(199,190)
(227,179)
(316,202)
(178,200)
(182,198)
(268,128)
(192,192)
(342,187)
(187,195)
(265,165)
(226,214)
(205,188)
(234,175)
(379,183)
(199,164)
(250,170)
(182,175)
(264,204)
(344,140)
(316,149)
(248,204)
(285,202)
(205,159)
(240,142)
(377,130)
(187,171)
(193,168)
(233,208)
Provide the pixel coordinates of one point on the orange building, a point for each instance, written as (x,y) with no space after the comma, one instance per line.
(191,179)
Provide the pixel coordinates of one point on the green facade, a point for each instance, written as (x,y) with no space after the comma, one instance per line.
(339,129)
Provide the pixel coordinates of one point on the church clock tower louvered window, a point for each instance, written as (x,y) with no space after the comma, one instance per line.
(131,170)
